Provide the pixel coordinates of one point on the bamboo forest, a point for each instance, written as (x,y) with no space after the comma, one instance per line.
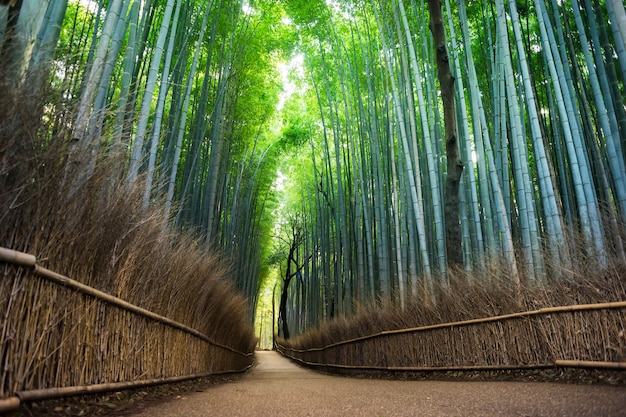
(333,154)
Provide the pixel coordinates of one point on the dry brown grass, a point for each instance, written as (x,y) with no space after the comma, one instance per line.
(99,235)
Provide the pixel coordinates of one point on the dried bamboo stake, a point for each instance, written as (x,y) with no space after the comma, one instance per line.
(28,260)
(542,311)
(6,338)
(93,332)
(67,282)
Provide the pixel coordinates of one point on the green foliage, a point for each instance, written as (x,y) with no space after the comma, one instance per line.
(307,13)
(361,126)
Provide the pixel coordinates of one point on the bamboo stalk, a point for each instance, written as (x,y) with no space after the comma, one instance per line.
(589,364)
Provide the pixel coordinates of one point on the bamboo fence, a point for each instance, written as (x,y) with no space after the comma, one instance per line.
(60,337)
(590,335)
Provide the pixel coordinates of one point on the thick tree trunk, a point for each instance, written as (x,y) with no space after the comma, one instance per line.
(282,311)
(455,164)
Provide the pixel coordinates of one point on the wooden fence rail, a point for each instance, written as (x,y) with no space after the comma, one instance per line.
(590,335)
(60,337)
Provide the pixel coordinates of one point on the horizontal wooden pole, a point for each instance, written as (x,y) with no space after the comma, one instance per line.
(17,258)
(419,368)
(590,364)
(9,404)
(50,393)
(557,363)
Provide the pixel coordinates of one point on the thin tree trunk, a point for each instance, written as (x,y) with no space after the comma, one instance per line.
(454,163)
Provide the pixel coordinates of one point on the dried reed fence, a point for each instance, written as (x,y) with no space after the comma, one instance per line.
(590,335)
(60,337)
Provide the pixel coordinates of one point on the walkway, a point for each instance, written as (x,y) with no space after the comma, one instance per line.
(276,388)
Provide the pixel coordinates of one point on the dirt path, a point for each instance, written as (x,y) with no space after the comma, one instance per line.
(276,387)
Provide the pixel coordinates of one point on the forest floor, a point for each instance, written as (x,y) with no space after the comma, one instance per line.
(277,387)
